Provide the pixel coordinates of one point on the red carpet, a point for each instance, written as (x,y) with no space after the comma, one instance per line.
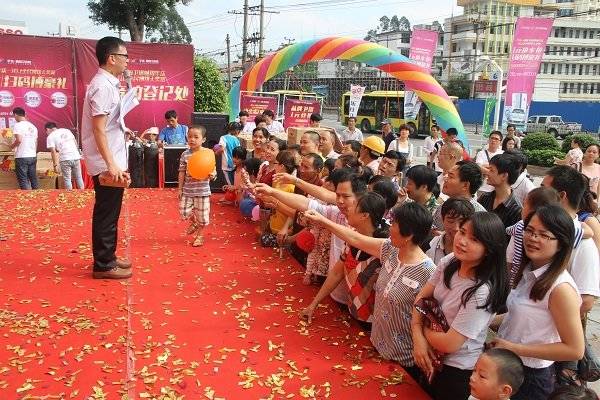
(219,321)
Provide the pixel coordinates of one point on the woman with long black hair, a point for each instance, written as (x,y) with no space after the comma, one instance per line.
(542,324)
(470,286)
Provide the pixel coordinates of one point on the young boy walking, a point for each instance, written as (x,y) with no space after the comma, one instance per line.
(194,194)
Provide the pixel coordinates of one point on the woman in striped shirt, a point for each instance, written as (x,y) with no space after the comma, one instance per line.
(405,270)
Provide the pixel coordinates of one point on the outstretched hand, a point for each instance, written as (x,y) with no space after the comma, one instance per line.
(314,217)
(283,179)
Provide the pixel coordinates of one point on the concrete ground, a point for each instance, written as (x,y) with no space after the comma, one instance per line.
(476,142)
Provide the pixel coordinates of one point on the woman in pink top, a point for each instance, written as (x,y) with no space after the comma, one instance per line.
(590,168)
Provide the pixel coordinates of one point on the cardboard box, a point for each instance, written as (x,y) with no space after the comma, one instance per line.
(44,162)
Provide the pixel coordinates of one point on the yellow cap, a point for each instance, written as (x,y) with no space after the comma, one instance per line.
(375,143)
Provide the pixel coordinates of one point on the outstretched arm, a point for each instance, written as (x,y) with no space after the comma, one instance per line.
(365,243)
(316,191)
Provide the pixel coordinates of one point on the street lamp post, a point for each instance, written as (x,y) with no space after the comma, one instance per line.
(499,82)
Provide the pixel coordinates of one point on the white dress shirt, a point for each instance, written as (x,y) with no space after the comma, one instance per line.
(103,98)
(528,321)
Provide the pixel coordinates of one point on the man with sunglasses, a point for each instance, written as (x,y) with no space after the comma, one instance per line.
(103,143)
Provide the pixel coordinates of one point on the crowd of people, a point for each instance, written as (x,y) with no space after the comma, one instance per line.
(476,282)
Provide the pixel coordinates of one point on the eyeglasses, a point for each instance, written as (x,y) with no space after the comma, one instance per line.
(120,54)
(535,235)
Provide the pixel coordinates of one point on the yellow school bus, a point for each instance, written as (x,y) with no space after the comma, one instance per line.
(387,104)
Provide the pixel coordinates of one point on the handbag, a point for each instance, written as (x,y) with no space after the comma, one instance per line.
(588,368)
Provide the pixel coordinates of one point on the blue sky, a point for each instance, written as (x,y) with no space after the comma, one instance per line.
(209,22)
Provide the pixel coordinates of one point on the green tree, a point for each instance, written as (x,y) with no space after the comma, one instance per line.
(136,16)
(384,23)
(403,24)
(172,29)
(209,89)
(459,87)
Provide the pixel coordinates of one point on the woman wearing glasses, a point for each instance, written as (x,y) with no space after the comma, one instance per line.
(542,323)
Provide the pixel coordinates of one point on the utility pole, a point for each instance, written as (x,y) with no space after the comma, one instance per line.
(262,32)
(476,24)
(245,34)
(228,62)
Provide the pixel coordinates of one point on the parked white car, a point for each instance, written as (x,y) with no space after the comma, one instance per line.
(552,124)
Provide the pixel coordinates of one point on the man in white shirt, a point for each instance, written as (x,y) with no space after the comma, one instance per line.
(351,132)
(273,126)
(65,154)
(523,184)
(429,145)
(484,156)
(104,151)
(326,141)
(247,126)
(25,146)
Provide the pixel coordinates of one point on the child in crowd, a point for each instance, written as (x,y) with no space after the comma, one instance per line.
(497,375)
(241,179)
(225,147)
(285,162)
(194,194)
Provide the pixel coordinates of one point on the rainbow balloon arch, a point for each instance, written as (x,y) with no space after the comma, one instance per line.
(415,78)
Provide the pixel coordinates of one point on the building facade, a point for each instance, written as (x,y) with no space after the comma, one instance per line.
(570,69)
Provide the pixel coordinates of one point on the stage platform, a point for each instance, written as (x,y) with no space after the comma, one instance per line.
(215,322)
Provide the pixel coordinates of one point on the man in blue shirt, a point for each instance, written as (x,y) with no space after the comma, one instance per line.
(173,133)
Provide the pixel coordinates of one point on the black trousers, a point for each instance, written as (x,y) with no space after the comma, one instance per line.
(105,219)
(537,385)
(451,383)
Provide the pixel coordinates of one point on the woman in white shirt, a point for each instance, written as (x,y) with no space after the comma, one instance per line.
(470,286)
(542,324)
(402,145)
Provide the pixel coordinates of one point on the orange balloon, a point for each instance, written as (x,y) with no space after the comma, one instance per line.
(201,163)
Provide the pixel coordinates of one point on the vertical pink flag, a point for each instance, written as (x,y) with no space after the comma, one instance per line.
(529,43)
(423,44)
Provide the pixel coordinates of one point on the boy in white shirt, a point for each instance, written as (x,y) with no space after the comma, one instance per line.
(25,146)
(65,154)
(498,374)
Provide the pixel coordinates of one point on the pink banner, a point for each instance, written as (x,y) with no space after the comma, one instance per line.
(163,77)
(297,112)
(36,73)
(529,43)
(423,44)
(255,105)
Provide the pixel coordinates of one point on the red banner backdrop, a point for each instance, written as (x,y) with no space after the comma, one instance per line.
(36,73)
(255,105)
(297,112)
(163,76)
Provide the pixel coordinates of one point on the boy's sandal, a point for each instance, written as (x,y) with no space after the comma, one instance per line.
(192,228)
(198,241)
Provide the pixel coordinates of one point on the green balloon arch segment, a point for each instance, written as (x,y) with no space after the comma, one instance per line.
(415,78)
